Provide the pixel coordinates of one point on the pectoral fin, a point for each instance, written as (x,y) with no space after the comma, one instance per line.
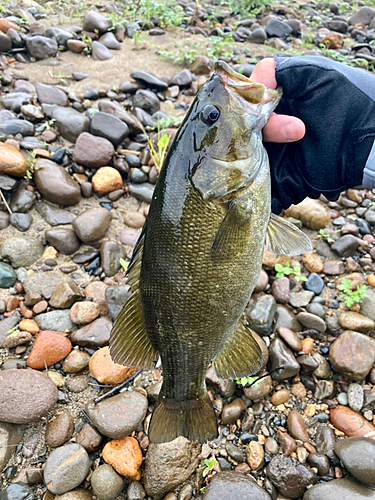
(241,355)
(230,235)
(285,238)
(129,343)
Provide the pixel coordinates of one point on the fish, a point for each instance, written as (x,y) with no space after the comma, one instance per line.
(199,255)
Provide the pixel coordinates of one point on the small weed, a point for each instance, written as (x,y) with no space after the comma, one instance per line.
(247,381)
(210,464)
(371,204)
(221,47)
(323,236)
(349,296)
(160,152)
(286,270)
(12,330)
(31,167)
(124,264)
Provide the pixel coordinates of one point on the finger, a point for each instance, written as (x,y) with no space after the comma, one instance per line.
(283,128)
(264,72)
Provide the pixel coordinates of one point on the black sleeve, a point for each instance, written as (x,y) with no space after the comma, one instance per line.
(337,104)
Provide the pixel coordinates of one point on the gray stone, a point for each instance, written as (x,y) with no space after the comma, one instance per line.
(261,313)
(92,225)
(50,94)
(93,151)
(355,397)
(39,282)
(94,335)
(323,370)
(110,127)
(358,456)
(282,356)
(7,275)
(135,491)
(14,127)
(258,36)
(106,483)
(22,252)
(142,192)
(300,299)
(340,489)
(5,42)
(363,16)
(63,239)
(22,222)
(10,438)
(149,80)
(60,35)
(78,494)
(53,215)
(289,476)
(100,52)
(41,47)
(278,28)
(234,486)
(287,319)
(110,254)
(55,184)
(70,122)
(58,321)
(66,468)
(115,297)
(368,305)
(25,396)
(312,321)
(346,245)
(17,491)
(95,21)
(120,415)
(169,464)
(22,200)
(325,441)
(6,325)
(110,41)
(146,100)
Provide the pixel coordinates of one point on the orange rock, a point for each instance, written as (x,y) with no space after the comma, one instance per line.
(371,280)
(307,345)
(106,180)
(352,424)
(27,325)
(125,456)
(312,262)
(355,279)
(333,41)
(5,25)
(105,370)
(11,161)
(49,348)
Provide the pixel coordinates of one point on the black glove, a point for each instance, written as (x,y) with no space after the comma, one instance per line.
(337,104)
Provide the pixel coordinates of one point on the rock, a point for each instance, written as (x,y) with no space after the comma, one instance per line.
(312,262)
(259,390)
(41,47)
(6,325)
(289,476)
(106,180)
(129,237)
(357,455)
(5,42)
(89,438)
(169,464)
(344,489)
(182,79)
(255,455)
(367,305)
(100,52)
(234,485)
(261,313)
(76,362)
(60,320)
(95,21)
(280,397)
(92,225)
(22,222)
(60,429)
(280,290)
(4,219)
(93,151)
(16,126)
(12,162)
(78,494)
(110,254)
(65,295)
(110,127)
(278,28)
(22,251)
(17,491)
(95,291)
(22,200)
(363,16)
(66,468)
(63,239)
(225,387)
(300,299)
(120,415)
(353,354)
(15,339)
(312,214)
(94,335)
(352,424)
(115,297)
(110,41)
(135,491)
(7,275)
(149,80)
(261,283)
(233,411)
(312,321)
(142,192)
(82,313)
(355,321)
(355,397)
(55,184)
(10,438)
(325,441)
(54,216)
(290,338)
(125,456)
(314,283)
(282,356)
(297,427)
(25,396)
(70,122)
(50,94)
(105,483)
(346,245)
(146,100)
(49,348)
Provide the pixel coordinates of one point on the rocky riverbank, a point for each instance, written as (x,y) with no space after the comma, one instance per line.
(89,102)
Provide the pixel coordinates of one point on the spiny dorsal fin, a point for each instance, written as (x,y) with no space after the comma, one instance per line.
(284,238)
(241,355)
(129,342)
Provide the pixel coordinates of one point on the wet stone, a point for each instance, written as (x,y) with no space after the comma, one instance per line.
(314,283)
(300,299)
(89,438)
(325,441)
(93,151)
(115,297)
(96,334)
(55,184)
(259,389)
(320,462)
(354,321)
(41,47)
(290,338)
(110,254)
(346,245)
(225,387)
(110,127)
(22,200)
(289,476)
(357,455)
(22,251)
(355,397)
(312,321)
(233,411)
(7,275)
(340,489)
(59,320)
(352,424)
(92,225)
(297,426)
(234,485)
(261,313)
(63,239)
(54,216)
(352,355)
(70,122)
(282,356)
(17,491)
(60,429)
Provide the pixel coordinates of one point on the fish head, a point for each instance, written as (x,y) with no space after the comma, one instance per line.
(227,117)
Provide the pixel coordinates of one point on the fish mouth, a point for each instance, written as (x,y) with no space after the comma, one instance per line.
(251,91)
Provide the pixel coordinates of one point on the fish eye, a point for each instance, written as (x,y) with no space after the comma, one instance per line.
(210,114)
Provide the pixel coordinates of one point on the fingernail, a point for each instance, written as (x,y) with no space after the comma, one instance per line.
(290,132)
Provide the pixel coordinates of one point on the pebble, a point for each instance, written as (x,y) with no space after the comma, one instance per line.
(255,455)
(355,397)
(66,468)
(93,151)
(55,184)
(314,283)
(311,321)
(60,320)
(346,488)
(49,348)
(110,254)
(225,387)
(78,494)
(89,438)
(7,275)
(17,491)
(346,246)
(234,485)
(312,262)
(287,443)
(10,438)
(134,220)
(70,122)
(28,325)
(92,225)
(84,312)
(289,476)
(167,465)
(280,290)
(261,313)
(106,180)
(54,216)
(352,354)
(100,52)
(108,126)
(259,389)
(282,356)
(16,339)
(106,371)
(297,426)
(94,335)
(106,483)
(290,338)
(76,362)
(60,429)
(12,162)
(312,214)
(280,397)
(355,321)
(233,411)
(50,94)
(135,491)
(63,239)
(352,424)
(358,455)
(125,456)
(22,251)
(25,396)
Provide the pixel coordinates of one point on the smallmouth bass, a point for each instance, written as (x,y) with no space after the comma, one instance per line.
(200,254)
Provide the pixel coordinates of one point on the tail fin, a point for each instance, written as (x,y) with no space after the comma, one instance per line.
(194,419)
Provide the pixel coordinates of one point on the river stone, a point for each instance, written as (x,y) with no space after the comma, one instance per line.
(115,297)
(22,251)
(94,335)
(70,122)
(364,16)
(282,356)
(10,438)
(120,415)
(310,212)
(6,325)
(14,127)
(325,441)
(7,275)
(355,397)
(63,239)
(41,47)
(78,494)
(39,282)
(17,491)
(312,321)
(93,151)
(60,429)
(358,456)
(142,192)
(25,396)
(146,100)
(289,476)
(22,200)
(169,464)
(22,222)
(100,52)
(106,483)
(55,184)
(50,94)
(66,468)
(234,486)
(350,320)
(57,321)
(53,215)
(261,313)
(353,354)
(110,254)
(110,127)
(95,21)
(340,489)
(368,305)
(92,225)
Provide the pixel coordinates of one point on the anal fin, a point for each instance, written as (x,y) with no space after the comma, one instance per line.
(241,355)
(285,238)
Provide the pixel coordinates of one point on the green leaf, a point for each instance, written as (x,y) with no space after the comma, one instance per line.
(280,275)
(279,268)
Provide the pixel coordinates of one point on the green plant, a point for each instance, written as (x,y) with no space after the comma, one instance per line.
(323,236)
(244,8)
(221,47)
(160,152)
(247,381)
(210,464)
(350,296)
(31,167)
(286,270)
(12,330)
(124,264)
(371,204)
